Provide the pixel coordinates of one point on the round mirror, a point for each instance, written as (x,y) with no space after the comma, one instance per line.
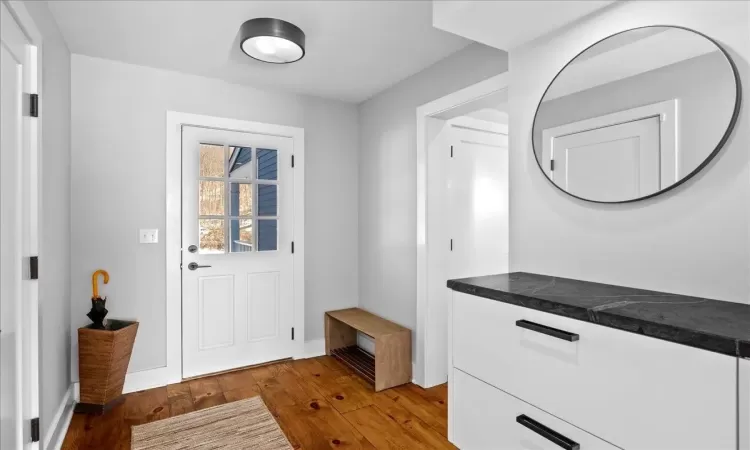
(636,114)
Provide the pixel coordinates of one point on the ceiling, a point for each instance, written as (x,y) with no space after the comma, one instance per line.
(355,49)
(510,23)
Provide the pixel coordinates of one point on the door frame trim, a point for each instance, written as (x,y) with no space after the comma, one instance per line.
(668,112)
(173,236)
(461,97)
(29,327)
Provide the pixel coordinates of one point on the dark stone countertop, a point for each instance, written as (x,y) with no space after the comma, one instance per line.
(714,325)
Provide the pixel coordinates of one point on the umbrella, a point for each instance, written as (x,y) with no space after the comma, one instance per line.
(98,311)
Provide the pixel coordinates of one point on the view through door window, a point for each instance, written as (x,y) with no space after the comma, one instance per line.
(233,193)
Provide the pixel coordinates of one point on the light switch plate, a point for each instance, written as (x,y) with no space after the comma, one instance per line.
(150,236)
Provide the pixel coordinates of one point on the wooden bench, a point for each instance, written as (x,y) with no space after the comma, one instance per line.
(391,365)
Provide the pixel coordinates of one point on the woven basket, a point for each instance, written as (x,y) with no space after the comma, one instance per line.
(103,358)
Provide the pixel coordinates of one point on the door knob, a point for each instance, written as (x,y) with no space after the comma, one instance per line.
(192,249)
(193,266)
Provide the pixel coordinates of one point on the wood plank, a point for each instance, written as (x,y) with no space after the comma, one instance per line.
(182,404)
(412,424)
(206,392)
(313,368)
(438,396)
(381,430)
(411,399)
(344,392)
(178,390)
(242,393)
(75,438)
(331,363)
(366,322)
(236,380)
(263,373)
(142,407)
(439,392)
(319,426)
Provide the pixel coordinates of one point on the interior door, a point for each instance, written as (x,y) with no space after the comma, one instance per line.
(13,384)
(467,216)
(237,261)
(609,163)
(478,185)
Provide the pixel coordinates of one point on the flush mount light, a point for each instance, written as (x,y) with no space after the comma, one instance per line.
(272,40)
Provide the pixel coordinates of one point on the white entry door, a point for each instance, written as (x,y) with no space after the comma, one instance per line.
(18,221)
(609,163)
(237,249)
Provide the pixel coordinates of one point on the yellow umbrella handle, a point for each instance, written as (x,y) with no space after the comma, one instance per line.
(94,279)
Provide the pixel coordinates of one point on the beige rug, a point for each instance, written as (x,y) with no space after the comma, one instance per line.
(246,424)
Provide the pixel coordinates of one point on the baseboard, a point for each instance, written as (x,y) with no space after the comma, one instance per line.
(139,381)
(60,422)
(161,376)
(314,348)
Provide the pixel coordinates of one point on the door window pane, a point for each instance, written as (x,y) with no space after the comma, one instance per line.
(267,164)
(211,198)
(241,232)
(240,199)
(211,160)
(267,200)
(267,235)
(240,162)
(211,235)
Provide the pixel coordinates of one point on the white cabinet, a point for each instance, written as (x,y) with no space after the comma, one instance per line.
(633,391)
(488,419)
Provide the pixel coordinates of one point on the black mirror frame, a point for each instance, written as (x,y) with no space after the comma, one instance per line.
(709,158)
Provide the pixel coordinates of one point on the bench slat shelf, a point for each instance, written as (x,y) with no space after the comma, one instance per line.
(358,360)
(391,364)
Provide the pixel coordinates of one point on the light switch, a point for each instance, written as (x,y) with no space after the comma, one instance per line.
(149,236)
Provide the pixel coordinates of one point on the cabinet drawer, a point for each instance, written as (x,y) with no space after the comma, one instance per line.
(486,418)
(634,391)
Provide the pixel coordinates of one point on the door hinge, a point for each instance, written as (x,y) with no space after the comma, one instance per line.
(33,105)
(34,268)
(551,165)
(35,429)
(31,268)
(292,161)
(292,333)
(451,244)
(451,151)
(292,246)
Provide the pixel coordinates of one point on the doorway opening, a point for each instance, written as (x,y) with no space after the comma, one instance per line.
(462,208)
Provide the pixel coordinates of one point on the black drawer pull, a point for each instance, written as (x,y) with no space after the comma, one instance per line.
(547,433)
(549,331)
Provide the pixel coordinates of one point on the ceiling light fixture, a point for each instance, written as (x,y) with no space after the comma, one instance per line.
(272,40)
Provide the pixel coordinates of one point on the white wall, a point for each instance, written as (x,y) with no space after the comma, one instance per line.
(118,186)
(387,179)
(54,220)
(692,240)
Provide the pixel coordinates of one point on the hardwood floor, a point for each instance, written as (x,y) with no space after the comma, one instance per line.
(319,403)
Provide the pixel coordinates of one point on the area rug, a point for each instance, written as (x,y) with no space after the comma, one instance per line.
(246,424)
